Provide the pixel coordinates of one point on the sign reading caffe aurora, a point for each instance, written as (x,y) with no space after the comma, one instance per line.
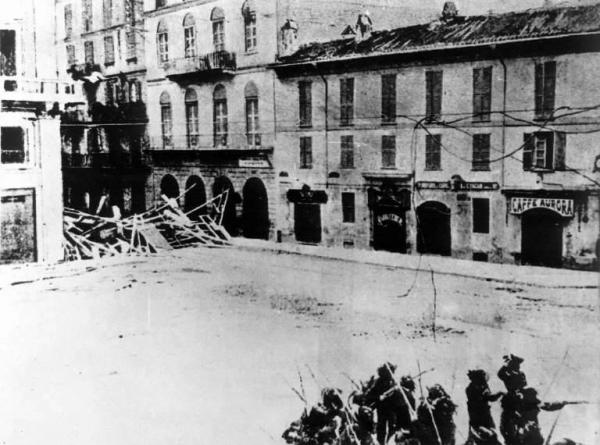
(563,207)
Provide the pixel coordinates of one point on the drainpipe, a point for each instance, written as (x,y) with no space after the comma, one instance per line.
(326,84)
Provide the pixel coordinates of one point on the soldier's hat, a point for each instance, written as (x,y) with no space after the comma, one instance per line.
(477,375)
(513,359)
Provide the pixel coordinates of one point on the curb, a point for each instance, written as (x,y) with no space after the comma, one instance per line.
(332,257)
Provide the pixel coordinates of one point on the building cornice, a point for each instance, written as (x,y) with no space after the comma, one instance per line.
(176,7)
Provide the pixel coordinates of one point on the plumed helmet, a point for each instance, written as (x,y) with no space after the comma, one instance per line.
(436,391)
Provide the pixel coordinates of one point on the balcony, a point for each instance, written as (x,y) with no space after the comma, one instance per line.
(221,62)
(17,89)
(101,160)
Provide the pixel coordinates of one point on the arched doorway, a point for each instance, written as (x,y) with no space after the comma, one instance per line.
(390,233)
(221,184)
(541,238)
(255,210)
(433,229)
(195,197)
(169,186)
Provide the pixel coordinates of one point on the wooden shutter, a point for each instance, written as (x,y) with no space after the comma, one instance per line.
(549,87)
(539,90)
(560,147)
(528,144)
(549,150)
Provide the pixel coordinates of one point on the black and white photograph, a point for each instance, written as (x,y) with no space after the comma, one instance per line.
(301,222)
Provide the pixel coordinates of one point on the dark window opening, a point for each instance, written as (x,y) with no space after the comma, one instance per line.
(12,145)
(481,152)
(8,53)
(348,207)
(388,151)
(305,103)
(480,256)
(433,95)
(481,215)
(347,152)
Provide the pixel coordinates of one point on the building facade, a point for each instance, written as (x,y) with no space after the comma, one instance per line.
(101,47)
(30,174)
(466,136)
(211,99)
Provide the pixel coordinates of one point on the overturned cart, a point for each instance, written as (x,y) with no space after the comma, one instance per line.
(164,226)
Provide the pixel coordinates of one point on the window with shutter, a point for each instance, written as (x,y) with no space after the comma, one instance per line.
(305,152)
(528,143)
(433,153)
(481,152)
(305,102)
(68,21)
(482,94)
(388,151)
(347,152)
(545,86)
(89,52)
(433,95)
(346,101)
(560,150)
(388,99)
(109,50)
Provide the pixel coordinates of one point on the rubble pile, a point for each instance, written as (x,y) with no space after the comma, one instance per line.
(164,226)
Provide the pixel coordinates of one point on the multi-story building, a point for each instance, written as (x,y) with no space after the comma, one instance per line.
(30,176)
(101,45)
(466,136)
(211,97)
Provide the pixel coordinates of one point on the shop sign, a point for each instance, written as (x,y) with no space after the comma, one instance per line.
(254,163)
(563,207)
(460,186)
(389,217)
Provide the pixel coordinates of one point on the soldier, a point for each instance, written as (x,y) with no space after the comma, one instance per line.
(435,423)
(322,425)
(514,379)
(482,430)
(386,407)
(528,427)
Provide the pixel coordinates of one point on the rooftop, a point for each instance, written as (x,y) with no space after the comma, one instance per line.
(459,31)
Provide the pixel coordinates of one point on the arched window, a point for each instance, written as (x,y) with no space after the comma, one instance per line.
(249,14)
(252,125)
(162,42)
(191,117)
(166,122)
(217,17)
(220,116)
(189,35)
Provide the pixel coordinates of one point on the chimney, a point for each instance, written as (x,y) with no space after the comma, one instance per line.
(450,11)
(364,26)
(289,38)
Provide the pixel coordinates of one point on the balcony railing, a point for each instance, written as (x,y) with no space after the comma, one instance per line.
(16,85)
(206,143)
(220,61)
(101,160)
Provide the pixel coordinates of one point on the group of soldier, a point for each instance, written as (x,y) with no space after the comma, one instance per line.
(384,411)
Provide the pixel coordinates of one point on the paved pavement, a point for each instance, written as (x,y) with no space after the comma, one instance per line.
(504,273)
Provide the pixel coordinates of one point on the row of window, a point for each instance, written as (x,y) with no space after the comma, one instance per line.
(109,50)
(481,212)
(220,117)
(217,19)
(544,150)
(545,82)
(132,10)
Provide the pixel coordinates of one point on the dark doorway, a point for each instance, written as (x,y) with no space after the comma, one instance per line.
(169,186)
(433,229)
(195,197)
(541,238)
(307,222)
(255,210)
(390,233)
(221,184)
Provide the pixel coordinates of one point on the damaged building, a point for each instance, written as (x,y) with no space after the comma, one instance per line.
(467,136)
(30,174)
(211,99)
(104,135)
